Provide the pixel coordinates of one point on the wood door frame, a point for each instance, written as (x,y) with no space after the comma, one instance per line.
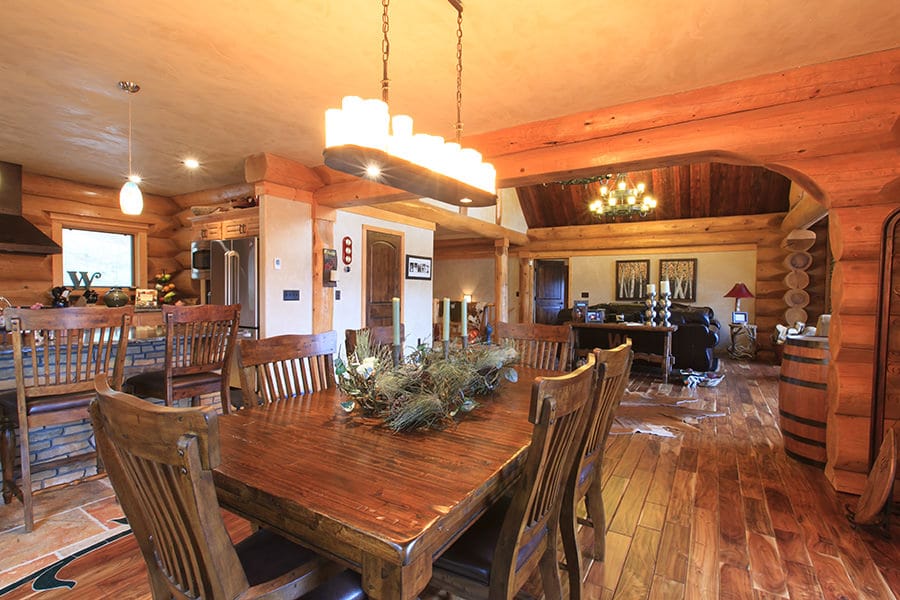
(363,302)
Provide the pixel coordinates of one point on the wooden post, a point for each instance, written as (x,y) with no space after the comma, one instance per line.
(501,279)
(526,289)
(323,297)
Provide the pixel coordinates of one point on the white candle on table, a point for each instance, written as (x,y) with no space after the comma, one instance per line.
(464,318)
(446,333)
(651,289)
(395,306)
(664,287)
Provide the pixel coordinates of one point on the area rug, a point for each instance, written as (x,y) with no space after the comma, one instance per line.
(663,410)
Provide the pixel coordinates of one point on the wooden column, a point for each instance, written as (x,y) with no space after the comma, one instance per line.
(526,289)
(501,279)
(323,297)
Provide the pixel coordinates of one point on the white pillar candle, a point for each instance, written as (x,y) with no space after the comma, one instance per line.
(464,318)
(446,333)
(395,306)
(664,287)
(651,289)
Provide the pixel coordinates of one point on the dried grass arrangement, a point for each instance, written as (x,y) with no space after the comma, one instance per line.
(424,391)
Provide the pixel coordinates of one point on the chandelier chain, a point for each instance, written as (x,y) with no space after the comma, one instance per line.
(385,50)
(459,68)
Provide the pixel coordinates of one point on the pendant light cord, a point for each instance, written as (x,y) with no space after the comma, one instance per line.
(385,51)
(130,173)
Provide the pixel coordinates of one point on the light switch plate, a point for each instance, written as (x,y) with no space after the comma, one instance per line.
(277,264)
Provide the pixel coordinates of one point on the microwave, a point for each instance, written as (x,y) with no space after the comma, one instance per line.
(200,259)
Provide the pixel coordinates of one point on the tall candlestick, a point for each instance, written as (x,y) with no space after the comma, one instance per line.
(464,320)
(664,287)
(395,306)
(651,289)
(446,333)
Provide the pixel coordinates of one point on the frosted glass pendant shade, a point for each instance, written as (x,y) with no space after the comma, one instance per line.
(131,201)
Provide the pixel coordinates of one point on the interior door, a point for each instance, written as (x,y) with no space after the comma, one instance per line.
(550,282)
(383,272)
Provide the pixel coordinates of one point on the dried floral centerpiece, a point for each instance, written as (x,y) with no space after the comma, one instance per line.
(426,390)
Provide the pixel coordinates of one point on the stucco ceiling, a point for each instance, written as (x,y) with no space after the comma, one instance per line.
(223,79)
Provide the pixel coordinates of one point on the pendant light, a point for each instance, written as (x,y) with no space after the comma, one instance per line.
(131,201)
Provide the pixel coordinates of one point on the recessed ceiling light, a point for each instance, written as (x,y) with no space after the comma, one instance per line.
(191,163)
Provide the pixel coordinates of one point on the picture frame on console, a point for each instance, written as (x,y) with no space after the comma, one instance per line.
(681,273)
(632,277)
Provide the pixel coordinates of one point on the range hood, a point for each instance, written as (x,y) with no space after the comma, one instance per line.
(18,236)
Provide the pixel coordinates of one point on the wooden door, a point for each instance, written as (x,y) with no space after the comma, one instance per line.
(550,281)
(383,272)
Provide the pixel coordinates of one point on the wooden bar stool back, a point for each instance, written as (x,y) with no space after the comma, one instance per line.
(539,346)
(497,555)
(57,353)
(586,476)
(199,344)
(286,366)
(160,462)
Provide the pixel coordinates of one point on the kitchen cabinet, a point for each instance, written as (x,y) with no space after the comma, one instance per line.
(227,225)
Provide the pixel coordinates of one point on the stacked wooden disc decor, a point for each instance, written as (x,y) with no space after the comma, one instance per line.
(797,262)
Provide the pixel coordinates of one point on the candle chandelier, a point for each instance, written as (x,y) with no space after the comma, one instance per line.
(622,199)
(363,140)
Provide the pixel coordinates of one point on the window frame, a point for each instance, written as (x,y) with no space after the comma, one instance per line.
(139,250)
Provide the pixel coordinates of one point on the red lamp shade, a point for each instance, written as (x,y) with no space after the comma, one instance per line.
(737,292)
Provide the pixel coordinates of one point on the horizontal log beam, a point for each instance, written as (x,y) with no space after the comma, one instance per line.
(804,214)
(769,222)
(219,195)
(455,221)
(358,192)
(270,167)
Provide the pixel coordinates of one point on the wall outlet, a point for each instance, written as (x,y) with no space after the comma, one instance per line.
(290,295)
(585,295)
(337,294)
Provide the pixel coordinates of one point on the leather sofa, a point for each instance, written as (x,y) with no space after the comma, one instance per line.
(693,344)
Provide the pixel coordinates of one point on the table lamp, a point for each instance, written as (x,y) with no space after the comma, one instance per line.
(737,292)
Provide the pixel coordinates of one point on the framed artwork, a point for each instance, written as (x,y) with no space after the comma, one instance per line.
(632,277)
(681,273)
(418,267)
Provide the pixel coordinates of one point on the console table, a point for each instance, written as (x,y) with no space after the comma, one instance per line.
(650,342)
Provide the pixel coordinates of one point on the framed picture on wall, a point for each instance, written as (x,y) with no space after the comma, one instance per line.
(681,273)
(418,267)
(632,277)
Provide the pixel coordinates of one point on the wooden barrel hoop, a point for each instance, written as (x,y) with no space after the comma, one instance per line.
(802,398)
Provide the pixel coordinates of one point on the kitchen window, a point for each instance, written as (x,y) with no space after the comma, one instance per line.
(115,249)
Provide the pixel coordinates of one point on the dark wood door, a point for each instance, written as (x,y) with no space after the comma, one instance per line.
(383,270)
(550,280)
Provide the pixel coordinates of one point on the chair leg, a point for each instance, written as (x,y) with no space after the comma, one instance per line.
(25,456)
(8,458)
(568,525)
(593,501)
(550,567)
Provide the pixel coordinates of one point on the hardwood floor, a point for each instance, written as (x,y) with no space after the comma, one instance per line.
(717,511)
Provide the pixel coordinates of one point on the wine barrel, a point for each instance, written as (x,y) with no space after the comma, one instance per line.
(802,398)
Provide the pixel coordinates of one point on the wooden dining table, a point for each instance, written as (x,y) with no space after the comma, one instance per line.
(383,503)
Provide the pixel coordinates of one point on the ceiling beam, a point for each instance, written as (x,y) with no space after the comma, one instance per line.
(804,214)
(455,221)
(283,171)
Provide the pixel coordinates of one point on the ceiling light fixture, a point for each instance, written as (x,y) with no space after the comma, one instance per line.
(361,139)
(622,199)
(131,201)
(191,163)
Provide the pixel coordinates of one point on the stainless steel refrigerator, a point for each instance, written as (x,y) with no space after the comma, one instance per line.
(233,280)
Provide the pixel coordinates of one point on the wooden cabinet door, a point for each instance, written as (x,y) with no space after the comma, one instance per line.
(383,271)
(247,226)
(208,231)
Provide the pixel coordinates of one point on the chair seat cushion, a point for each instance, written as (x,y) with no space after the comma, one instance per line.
(153,383)
(45,404)
(472,554)
(266,555)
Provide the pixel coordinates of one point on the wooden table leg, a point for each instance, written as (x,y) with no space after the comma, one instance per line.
(383,580)
(668,359)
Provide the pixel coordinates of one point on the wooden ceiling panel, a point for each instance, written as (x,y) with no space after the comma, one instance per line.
(683,192)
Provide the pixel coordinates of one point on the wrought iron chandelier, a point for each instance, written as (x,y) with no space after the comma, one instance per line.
(622,199)
(363,140)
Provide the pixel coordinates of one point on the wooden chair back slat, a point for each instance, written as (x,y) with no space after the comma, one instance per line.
(378,336)
(539,346)
(160,462)
(559,410)
(286,366)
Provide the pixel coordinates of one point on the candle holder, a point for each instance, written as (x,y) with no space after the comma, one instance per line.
(663,309)
(650,313)
(396,351)
(446,349)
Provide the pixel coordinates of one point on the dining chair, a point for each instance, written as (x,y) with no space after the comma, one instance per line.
(160,462)
(199,343)
(286,366)
(519,534)
(539,346)
(56,354)
(585,478)
(378,336)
